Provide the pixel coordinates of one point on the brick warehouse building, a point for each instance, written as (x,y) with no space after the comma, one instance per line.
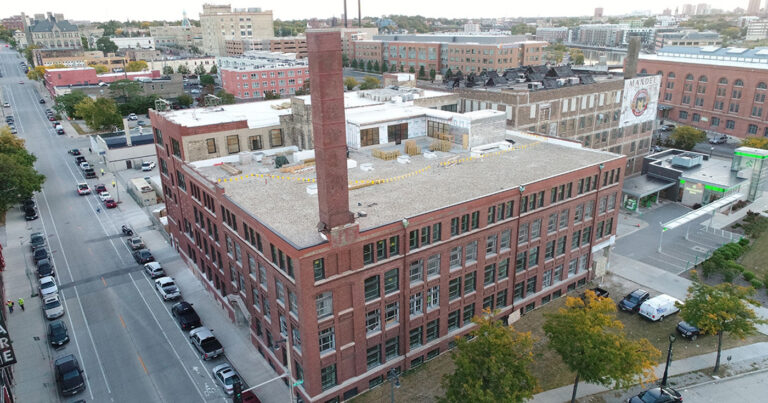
(720,90)
(389,276)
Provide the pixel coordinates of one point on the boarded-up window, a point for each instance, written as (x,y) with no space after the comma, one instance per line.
(256,143)
(276,137)
(211,144)
(233,144)
(369,137)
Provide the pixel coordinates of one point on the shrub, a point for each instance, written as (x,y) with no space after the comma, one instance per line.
(749,276)
(708,268)
(756,284)
(744,242)
(728,276)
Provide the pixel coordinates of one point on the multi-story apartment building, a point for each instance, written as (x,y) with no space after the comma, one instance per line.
(757,30)
(189,62)
(720,90)
(14,22)
(601,35)
(52,31)
(78,58)
(469,53)
(576,106)
(688,38)
(222,22)
(552,34)
(185,36)
(355,294)
(256,73)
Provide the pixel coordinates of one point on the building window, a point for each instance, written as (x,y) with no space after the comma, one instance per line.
(433,330)
(211,144)
(470,255)
(369,137)
(683,114)
(416,337)
(327,340)
(533,257)
(324,304)
(453,320)
(392,314)
(392,348)
(328,377)
(752,129)
(730,124)
(501,299)
(490,245)
(416,271)
(373,321)
(530,285)
(490,274)
(416,304)
(391,281)
(536,229)
(233,144)
(433,266)
(318,266)
(368,253)
(454,288)
(372,288)
(455,257)
(433,297)
(255,142)
(469,283)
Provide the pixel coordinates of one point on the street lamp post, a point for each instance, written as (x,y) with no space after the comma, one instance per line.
(669,358)
(394,378)
(287,347)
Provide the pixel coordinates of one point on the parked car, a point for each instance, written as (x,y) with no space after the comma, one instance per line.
(74,151)
(688,330)
(83,189)
(204,341)
(89,173)
(104,196)
(153,268)
(6,105)
(85,165)
(633,300)
(721,139)
(37,240)
(39,254)
(132,116)
(226,377)
(110,203)
(69,376)
(30,213)
(147,165)
(167,288)
(42,101)
(52,307)
(135,243)
(100,188)
(58,334)
(60,129)
(186,315)
(45,268)
(79,159)
(667,128)
(659,307)
(143,256)
(27,203)
(48,286)
(657,395)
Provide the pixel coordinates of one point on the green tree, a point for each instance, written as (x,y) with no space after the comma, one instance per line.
(84,42)
(271,95)
(100,114)
(369,66)
(184,100)
(376,67)
(214,70)
(353,64)
(577,56)
(110,27)
(402,67)
(755,142)
(649,22)
(182,69)
(125,89)
(720,309)
(731,33)
(350,83)
(591,342)
(37,73)
(686,137)
(19,179)
(167,70)
(411,70)
(226,98)
(505,377)
(422,73)
(28,54)
(344,60)
(384,67)
(370,82)
(199,69)
(67,102)
(206,79)
(100,68)
(136,65)
(106,45)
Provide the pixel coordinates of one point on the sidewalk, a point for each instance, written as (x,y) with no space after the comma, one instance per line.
(744,356)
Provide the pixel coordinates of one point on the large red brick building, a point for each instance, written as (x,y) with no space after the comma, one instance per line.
(720,90)
(76,76)
(364,271)
(257,73)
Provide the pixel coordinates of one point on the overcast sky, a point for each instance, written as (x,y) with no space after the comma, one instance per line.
(298,9)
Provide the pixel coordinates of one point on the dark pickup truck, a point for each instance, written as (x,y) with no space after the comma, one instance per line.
(599,292)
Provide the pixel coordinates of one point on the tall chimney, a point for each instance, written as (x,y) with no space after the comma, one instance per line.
(359,17)
(345,19)
(630,63)
(329,128)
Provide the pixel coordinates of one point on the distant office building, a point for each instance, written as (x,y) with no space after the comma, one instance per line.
(601,35)
(721,90)
(754,7)
(472,27)
(552,34)
(63,81)
(177,35)
(14,23)
(688,38)
(598,12)
(256,73)
(221,22)
(703,9)
(175,62)
(688,9)
(78,58)
(142,42)
(284,44)
(757,30)
(52,31)
(667,11)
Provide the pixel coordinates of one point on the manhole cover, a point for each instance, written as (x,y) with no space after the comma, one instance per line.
(700,249)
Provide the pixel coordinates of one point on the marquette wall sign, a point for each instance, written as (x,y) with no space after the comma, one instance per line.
(7,357)
(640,101)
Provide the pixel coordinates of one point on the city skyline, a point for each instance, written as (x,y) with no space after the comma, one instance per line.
(146,11)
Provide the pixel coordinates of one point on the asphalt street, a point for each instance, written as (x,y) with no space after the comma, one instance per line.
(129,345)
(747,388)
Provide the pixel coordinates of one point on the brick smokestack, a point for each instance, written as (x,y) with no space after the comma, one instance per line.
(345,22)
(329,128)
(630,63)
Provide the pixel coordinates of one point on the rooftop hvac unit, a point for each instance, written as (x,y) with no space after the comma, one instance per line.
(687,160)
(536,85)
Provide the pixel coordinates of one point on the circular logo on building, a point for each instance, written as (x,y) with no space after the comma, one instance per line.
(639,102)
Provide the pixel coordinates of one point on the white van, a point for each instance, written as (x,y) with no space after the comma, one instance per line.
(659,307)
